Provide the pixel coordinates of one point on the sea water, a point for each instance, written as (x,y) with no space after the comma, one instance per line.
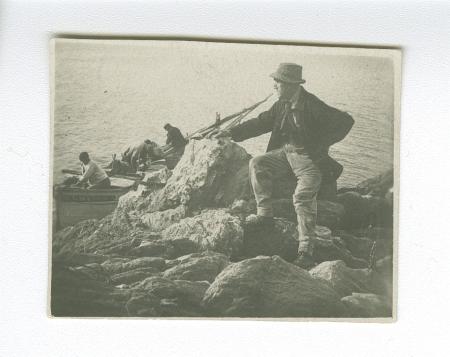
(109,95)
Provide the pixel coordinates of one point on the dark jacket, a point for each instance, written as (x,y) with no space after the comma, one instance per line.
(322,126)
(175,138)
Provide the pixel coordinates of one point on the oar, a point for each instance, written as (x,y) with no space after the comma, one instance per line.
(132,177)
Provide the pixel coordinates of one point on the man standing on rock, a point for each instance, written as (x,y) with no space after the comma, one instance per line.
(303,128)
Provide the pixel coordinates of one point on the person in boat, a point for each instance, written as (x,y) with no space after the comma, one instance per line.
(139,155)
(303,128)
(92,173)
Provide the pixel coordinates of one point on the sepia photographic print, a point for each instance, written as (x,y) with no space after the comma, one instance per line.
(208,179)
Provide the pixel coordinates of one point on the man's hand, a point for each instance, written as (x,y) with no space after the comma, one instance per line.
(219,134)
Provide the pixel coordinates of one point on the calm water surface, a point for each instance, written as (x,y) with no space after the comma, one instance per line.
(111,95)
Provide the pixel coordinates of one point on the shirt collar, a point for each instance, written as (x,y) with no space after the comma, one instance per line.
(298,100)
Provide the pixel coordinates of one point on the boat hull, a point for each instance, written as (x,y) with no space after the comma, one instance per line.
(77,204)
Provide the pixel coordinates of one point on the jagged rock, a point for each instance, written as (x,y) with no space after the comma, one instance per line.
(77,294)
(383,279)
(362,211)
(197,267)
(237,187)
(377,186)
(280,240)
(65,241)
(134,275)
(159,176)
(77,259)
(270,287)
(374,233)
(385,266)
(202,173)
(93,271)
(120,248)
(357,212)
(164,248)
(329,214)
(158,286)
(158,296)
(367,305)
(102,237)
(160,220)
(344,280)
(120,265)
(133,200)
(214,230)
(361,247)
(243,208)
(334,249)
(192,292)
(143,305)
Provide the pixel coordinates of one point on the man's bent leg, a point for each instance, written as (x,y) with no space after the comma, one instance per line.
(305,198)
(264,169)
(106,183)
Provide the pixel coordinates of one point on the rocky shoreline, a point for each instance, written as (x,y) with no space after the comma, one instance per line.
(178,248)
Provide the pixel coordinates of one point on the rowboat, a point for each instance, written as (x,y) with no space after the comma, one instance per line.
(75,204)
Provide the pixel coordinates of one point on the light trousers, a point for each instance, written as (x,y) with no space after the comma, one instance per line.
(264,172)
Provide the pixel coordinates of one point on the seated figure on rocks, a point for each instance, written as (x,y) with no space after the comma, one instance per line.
(177,141)
(303,128)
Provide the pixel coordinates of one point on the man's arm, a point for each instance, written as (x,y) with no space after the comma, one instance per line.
(262,124)
(87,174)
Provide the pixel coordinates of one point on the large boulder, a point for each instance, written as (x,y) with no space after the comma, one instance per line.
(68,239)
(367,305)
(160,220)
(103,237)
(164,248)
(374,233)
(270,287)
(383,279)
(379,185)
(362,247)
(120,265)
(158,296)
(326,249)
(77,259)
(197,267)
(363,211)
(213,229)
(282,240)
(343,279)
(134,275)
(76,293)
(202,174)
(329,214)
(157,176)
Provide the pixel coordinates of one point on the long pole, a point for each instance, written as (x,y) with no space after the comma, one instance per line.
(167,149)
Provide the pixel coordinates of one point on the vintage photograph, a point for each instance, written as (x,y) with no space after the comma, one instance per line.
(208,179)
